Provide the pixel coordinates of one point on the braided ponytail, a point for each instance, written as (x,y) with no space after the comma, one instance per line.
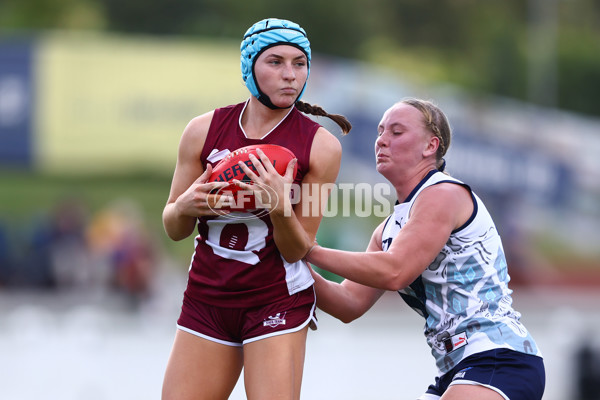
(318,111)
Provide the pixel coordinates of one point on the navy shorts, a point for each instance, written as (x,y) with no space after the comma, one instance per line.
(238,326)
(514,375)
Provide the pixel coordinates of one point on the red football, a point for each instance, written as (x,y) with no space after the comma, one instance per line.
(228,169)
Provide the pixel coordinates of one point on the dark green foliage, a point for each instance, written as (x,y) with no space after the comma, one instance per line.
(512,48)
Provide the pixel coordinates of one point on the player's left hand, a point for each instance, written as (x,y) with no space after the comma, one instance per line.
(271,190)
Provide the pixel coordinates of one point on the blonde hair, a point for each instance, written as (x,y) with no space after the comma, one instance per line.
(437,123)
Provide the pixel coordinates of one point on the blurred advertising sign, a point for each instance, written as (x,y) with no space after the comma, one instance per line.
(500,168)
(111,103)
(16,102)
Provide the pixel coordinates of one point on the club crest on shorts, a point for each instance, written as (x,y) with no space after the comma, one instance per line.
(274,321)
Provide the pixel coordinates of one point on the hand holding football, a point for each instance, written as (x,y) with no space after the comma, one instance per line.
(228,170)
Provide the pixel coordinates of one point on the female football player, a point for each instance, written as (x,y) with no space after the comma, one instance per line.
(249,299)
(441,251)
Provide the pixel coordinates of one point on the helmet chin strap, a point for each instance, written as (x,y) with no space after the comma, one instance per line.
(266,100)
(263,98)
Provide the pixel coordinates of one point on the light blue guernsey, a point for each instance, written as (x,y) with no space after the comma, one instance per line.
(463,294)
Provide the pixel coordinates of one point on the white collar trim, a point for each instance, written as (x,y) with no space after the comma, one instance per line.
(267,134)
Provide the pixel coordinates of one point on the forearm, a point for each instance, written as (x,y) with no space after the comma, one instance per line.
(290,236)
(332,299)
(375,269)
(176,225)
(345,301)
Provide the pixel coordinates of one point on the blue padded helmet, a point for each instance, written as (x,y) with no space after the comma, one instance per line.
(263,35)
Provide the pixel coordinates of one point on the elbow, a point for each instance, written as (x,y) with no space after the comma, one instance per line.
(291,260)
(295,253)
(390,286)
(343,315)
(396,281)
(344,311)
(291,257)
(353,311)
(174,237)
(393,286)
(390,274)
(178,230)
(177,234)
(346,319)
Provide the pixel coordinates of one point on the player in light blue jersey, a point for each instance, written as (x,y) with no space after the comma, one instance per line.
(441,251)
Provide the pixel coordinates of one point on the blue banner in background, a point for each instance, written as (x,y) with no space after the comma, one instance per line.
(16,102)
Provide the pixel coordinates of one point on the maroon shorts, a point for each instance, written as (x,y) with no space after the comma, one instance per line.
(238,326)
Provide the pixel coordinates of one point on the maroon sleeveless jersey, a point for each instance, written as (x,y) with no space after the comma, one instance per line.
(236,262)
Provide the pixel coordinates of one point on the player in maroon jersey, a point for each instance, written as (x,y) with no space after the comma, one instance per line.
(250,298)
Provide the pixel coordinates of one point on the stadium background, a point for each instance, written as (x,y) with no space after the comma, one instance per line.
(89,127)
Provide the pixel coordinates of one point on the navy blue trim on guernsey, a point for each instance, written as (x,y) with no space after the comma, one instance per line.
(473,214)
(429,174)
(416,189)
(418,303)
(475,206)
(389,240)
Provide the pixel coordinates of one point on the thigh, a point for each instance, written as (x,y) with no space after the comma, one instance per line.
(273,366)
(201,369)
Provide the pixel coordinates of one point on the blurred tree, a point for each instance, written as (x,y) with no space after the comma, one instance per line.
(155,17)
(579,74)
(32,14)
(500,47)
(51,14)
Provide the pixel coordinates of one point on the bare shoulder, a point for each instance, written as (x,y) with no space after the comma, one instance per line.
(325,158)
(196,130)
(326,141)
(450,191)
(447,201)
(326,151)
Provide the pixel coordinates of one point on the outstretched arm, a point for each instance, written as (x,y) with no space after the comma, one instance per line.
(348,300)
(435,214)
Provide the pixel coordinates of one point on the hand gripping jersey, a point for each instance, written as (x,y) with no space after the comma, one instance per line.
(463,294)
(236,263)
